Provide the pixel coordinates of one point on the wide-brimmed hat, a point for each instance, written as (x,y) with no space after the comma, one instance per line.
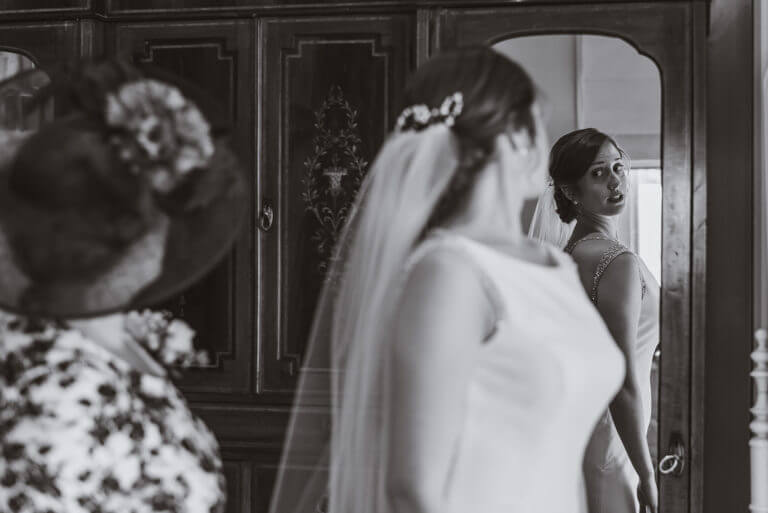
(123,194)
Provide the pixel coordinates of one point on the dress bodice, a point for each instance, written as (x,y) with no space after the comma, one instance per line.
(648,324)
(610,478)
(536,390)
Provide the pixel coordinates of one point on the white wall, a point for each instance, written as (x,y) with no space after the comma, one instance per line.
(595,81)
(619,92)
(551,62)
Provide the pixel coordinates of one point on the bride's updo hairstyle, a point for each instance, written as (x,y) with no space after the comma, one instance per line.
(497,97)
(569,160)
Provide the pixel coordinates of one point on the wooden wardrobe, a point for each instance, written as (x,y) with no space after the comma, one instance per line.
(311,90)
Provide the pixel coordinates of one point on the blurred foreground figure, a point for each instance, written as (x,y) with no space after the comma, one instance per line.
(123,200)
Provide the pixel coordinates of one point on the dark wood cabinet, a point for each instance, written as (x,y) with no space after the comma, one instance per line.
(329,96)
(311,89)
(218,58)
(309,101)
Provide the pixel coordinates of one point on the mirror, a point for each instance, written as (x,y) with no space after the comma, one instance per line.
(12,99)
(604,83)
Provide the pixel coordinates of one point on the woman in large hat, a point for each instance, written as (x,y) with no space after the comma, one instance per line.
(123,200)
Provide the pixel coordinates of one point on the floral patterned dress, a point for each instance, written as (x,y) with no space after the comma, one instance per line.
(83,432)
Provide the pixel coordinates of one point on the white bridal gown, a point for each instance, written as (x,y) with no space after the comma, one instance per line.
(611,479)
(537,389)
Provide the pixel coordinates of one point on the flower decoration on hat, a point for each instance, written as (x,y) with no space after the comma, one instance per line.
(419,117)
(159,132)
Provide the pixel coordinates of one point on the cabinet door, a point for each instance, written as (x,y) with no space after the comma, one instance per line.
(310,101)
(329,94)
(663,32)
(217,57)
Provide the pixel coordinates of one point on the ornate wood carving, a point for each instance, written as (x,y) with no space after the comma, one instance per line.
(334,172)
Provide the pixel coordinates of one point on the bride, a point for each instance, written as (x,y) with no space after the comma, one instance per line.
(589,175)
(452,388)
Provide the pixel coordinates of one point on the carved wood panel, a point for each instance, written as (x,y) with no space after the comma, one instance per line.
(216,57)
(329,95)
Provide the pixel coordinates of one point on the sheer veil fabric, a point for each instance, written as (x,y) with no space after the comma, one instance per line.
(546,225)
(336,448)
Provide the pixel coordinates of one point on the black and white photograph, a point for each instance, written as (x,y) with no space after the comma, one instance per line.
(383,256)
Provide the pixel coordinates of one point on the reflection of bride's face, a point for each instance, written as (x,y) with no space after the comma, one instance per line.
(603,188)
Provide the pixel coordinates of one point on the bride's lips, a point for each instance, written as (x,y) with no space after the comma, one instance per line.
(616,198)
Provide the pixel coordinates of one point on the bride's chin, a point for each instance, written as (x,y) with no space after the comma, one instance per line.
(614,209)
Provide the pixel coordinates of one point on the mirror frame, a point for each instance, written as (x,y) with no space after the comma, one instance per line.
(667,34)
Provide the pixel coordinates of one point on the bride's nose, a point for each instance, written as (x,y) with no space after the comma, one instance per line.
(613,183)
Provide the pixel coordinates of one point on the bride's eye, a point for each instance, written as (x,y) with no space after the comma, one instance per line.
(597,173)
(619,167)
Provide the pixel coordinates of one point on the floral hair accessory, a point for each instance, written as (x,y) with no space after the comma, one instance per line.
(159,132)
(419,117)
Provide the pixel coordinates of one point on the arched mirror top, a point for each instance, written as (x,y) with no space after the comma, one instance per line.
(617,37)
(595,81)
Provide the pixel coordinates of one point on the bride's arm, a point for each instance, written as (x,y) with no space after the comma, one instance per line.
(619,303)
(442,318)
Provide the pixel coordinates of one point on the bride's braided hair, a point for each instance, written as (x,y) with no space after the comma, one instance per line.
(497,95)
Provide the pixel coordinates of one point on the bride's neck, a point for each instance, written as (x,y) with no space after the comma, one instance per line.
(493,229)
(489,216)
(588,223)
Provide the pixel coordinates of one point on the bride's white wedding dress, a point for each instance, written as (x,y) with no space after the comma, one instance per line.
(537,389)
(611,480)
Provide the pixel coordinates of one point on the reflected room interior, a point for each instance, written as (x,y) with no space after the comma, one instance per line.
(589,81)
(12,101)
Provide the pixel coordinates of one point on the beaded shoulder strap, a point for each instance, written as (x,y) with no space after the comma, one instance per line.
(614,250)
